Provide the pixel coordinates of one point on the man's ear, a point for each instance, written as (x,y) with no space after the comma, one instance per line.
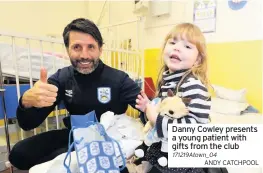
(67,49)
(100,49)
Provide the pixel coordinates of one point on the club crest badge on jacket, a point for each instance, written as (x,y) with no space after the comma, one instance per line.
(104,94)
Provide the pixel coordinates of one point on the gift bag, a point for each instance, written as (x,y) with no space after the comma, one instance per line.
(95,150)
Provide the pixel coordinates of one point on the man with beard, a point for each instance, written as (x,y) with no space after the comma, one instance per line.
(87,85)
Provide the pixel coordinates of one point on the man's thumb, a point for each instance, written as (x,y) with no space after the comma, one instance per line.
(43,75)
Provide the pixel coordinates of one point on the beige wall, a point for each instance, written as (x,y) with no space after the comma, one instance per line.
(245,24)
(39,18)
(242,25)
(49,18)
(115,12)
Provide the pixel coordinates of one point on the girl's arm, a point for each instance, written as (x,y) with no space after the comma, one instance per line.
(199,107)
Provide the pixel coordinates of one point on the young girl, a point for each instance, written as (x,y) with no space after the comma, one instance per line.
(185,72)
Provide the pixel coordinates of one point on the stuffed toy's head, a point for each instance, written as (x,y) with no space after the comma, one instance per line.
(173,106)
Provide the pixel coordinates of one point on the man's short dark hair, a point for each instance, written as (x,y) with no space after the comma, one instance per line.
(85,26)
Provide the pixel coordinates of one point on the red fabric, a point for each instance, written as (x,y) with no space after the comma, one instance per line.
(149,87)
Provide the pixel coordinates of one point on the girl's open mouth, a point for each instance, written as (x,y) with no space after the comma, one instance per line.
(175,57)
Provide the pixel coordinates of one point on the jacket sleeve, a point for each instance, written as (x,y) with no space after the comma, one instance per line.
(199,108)
(129,91)
(30,118)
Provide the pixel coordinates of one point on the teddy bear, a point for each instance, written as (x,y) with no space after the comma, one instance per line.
(172,107)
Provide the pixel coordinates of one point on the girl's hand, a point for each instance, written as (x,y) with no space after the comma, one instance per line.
(151,113)
(141,101)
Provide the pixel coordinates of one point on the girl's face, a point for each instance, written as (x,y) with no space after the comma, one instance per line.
(180,54)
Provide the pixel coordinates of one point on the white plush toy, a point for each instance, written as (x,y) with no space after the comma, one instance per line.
(173,107)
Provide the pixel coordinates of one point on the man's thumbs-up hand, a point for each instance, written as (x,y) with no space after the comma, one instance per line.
(43,75)
(41,94)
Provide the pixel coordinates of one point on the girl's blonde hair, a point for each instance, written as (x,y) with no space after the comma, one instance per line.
(194,35)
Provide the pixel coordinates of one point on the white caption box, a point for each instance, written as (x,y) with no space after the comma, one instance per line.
(211,145)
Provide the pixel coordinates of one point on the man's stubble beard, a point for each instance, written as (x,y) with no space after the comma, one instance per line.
(95,64)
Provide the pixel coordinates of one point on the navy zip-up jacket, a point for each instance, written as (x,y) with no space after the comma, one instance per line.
(105,89)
